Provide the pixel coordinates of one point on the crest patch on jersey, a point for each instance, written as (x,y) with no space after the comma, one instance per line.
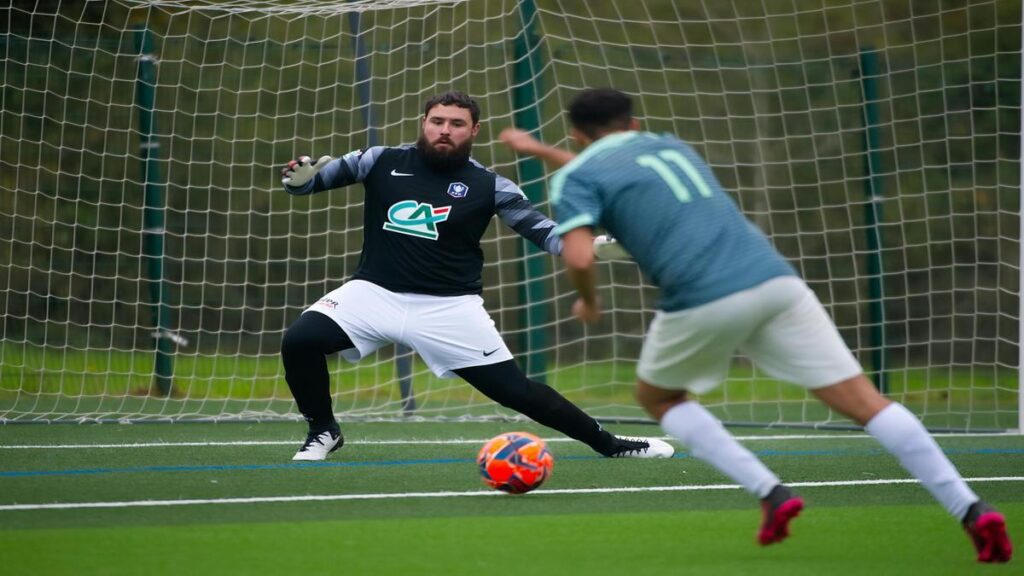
(415,219)
(457,190)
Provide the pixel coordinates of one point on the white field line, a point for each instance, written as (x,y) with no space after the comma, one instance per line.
(453,441)
(410,495)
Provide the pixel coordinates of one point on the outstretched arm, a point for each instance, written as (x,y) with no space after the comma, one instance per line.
(515,210)
(522,142)
(604,247)
(303,176)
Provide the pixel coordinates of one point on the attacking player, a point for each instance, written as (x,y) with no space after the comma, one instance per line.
(418,282)
(724,288)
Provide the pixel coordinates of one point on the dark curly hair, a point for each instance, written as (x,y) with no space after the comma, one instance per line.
(454,98)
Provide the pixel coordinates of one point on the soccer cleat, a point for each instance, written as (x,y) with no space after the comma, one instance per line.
(319,444)
(987,529)
(778,509)
(641,448)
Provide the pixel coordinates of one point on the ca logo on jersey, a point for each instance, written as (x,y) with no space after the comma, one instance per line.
(415,219)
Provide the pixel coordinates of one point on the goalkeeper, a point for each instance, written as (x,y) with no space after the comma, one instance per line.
(418,282)
(724,288)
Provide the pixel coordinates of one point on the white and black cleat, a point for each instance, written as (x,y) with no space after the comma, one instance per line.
(319,444)
(642,448)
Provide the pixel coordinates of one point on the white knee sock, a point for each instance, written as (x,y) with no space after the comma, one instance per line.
(902,434)
(709,441)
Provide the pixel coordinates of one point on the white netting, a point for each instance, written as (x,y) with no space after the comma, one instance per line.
(776,94)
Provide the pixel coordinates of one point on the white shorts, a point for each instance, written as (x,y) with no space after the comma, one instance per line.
(779,324)
(448,332)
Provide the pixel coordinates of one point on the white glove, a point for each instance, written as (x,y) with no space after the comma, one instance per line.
(608,248)
(300,171)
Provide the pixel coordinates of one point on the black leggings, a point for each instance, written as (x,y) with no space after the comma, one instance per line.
(311,338)
(304,350)
(506,384)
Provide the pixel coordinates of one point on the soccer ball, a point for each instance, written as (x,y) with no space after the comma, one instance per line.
(515,462)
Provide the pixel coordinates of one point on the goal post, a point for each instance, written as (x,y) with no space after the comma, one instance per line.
(1020,252)
(877,143)
(153,218)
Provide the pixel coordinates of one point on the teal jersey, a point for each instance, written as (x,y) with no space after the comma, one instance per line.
(657,197)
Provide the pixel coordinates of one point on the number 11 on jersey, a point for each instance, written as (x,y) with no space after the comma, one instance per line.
(660,164)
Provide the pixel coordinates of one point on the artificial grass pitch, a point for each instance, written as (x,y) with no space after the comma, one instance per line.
(579,522)
(905,540)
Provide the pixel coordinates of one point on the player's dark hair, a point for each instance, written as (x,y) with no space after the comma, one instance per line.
(598,110)
(454,98)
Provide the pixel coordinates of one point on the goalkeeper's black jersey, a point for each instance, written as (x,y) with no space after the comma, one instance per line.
(421,227)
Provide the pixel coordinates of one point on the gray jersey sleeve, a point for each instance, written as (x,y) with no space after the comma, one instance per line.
(517,213)
(349,169)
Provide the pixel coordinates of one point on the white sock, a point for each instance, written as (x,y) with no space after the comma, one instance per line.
(902,434)
(709,441)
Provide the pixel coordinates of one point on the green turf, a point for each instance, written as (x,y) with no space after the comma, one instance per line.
(864,529)
(861,540)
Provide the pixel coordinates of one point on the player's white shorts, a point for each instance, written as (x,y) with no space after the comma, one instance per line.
(779,324)
(448,332)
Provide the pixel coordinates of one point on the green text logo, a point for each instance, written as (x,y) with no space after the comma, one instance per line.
(415,219)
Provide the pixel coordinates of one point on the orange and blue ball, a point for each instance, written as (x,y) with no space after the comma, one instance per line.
(515,462)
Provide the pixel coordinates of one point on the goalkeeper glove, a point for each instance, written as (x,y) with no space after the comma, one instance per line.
(300,171)
(608,248)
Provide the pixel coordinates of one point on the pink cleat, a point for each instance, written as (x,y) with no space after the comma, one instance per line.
(987,529)
(778,509)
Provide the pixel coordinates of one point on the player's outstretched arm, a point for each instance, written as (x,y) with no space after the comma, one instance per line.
(515,210)
(523,142)
(298,175)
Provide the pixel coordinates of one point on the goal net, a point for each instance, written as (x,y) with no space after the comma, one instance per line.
(150,260)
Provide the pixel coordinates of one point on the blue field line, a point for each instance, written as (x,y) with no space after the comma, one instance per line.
(388,463)
(218,468)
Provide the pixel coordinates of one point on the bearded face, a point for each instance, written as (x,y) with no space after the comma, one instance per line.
(447,157)
(447,137)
